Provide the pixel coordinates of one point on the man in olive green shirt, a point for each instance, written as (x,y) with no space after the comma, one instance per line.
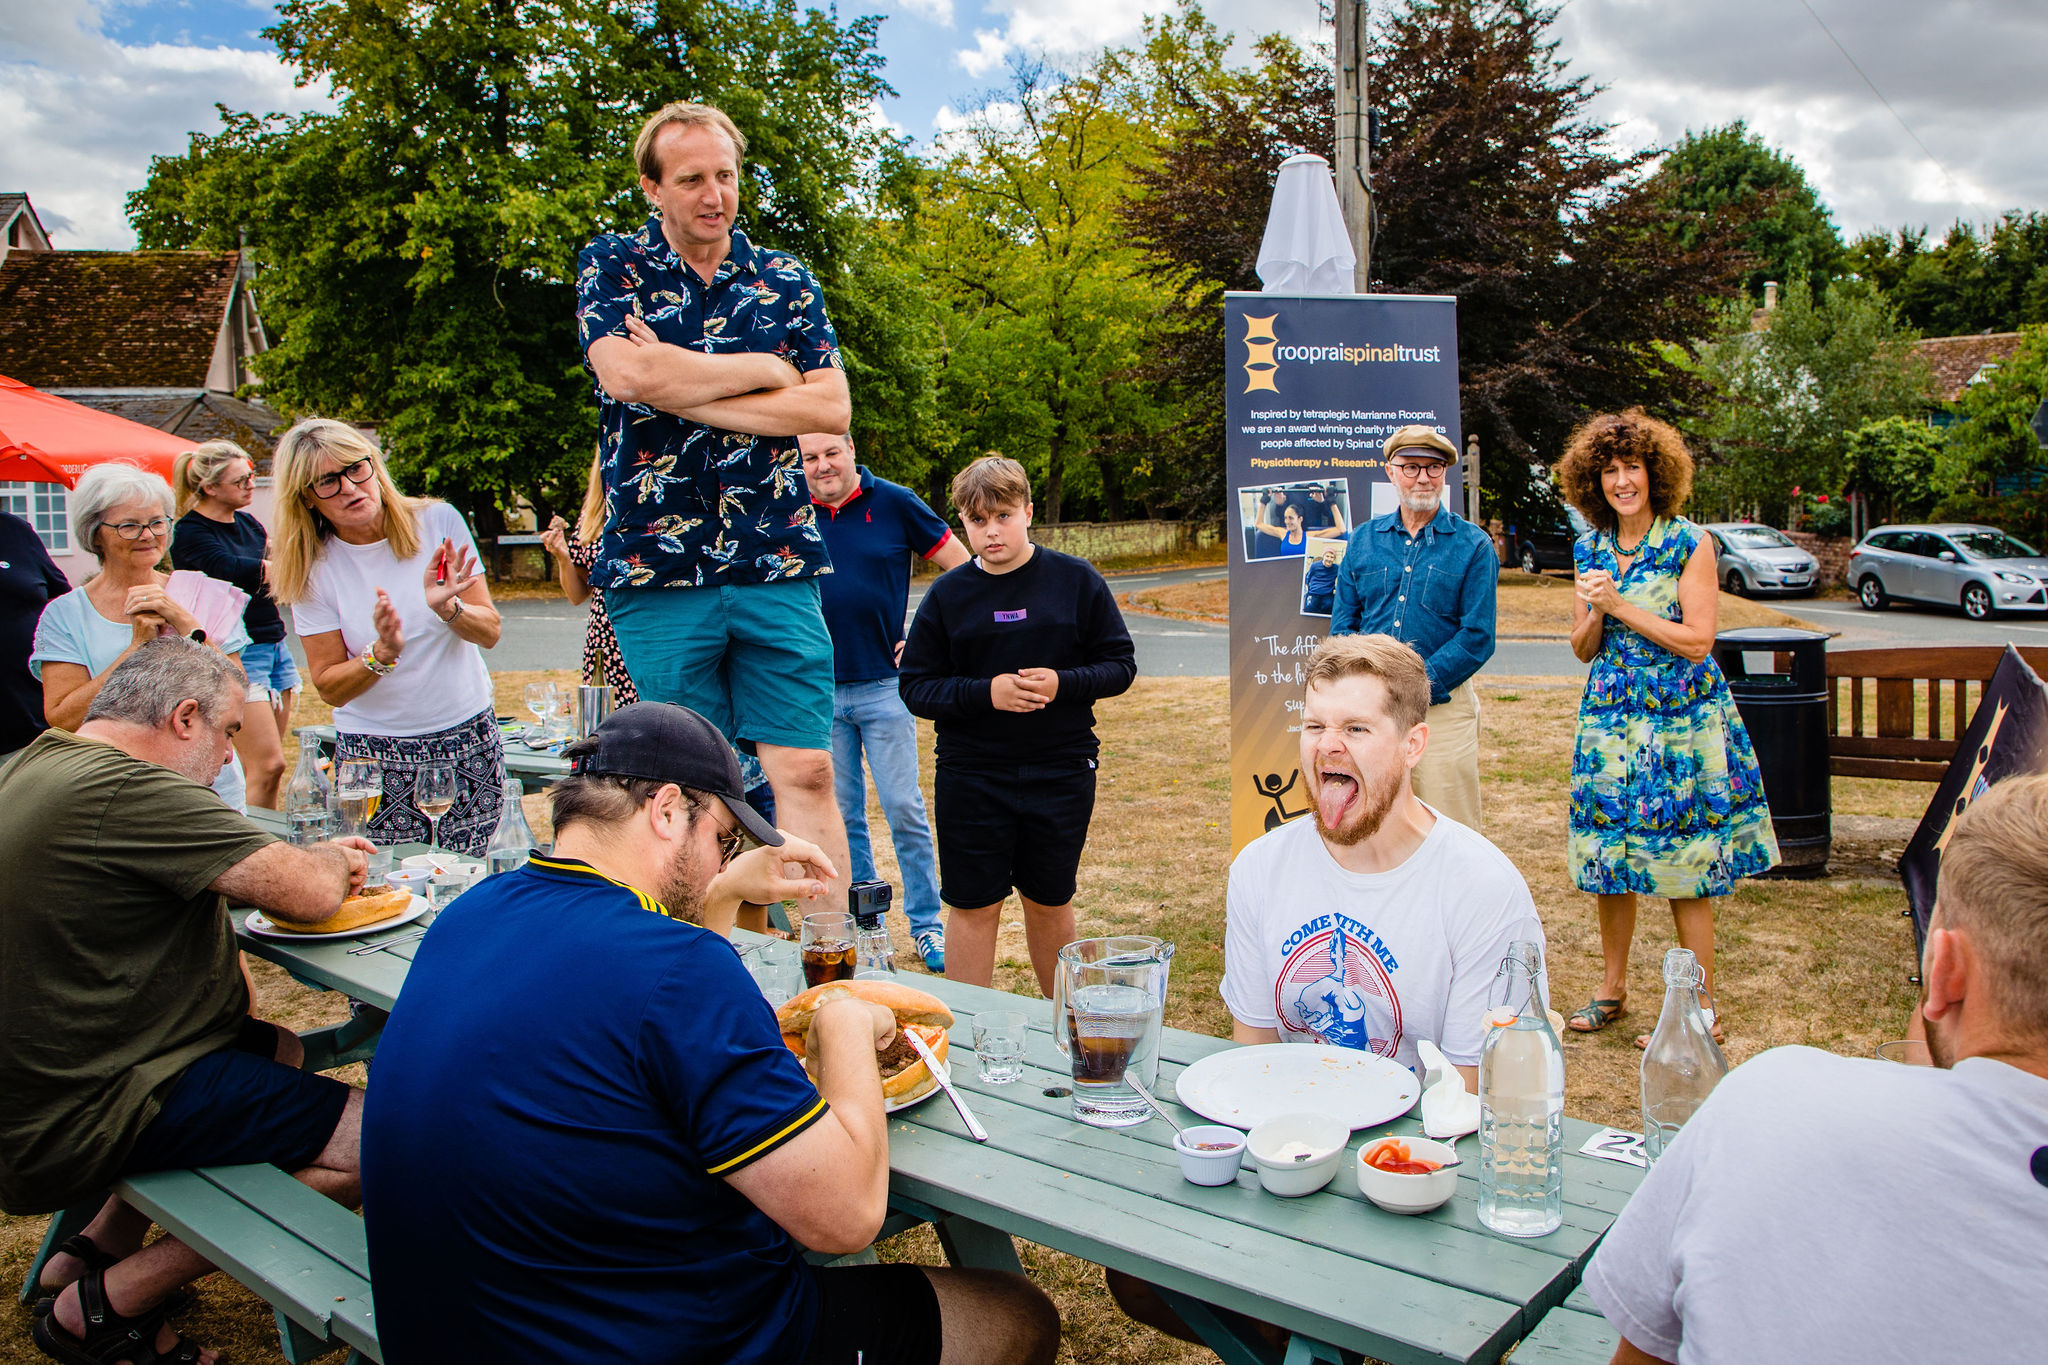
(126,1043)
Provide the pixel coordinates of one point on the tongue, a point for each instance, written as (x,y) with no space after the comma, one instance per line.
(1335,799)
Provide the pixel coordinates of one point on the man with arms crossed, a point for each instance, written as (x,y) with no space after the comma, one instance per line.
(587,1139)
(711,355)
(1374,922)
(873,527)
(1429,579)
(126,1042)
(1838,1208)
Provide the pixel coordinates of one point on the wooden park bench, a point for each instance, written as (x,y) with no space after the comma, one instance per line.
(1573,1333)
(1882,724)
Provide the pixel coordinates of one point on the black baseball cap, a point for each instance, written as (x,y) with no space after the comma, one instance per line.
(662,742)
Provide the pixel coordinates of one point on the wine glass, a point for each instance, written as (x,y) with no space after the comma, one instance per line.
(433,791)
(540,699)
(358,792)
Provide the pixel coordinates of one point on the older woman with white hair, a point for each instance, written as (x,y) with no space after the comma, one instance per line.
(123,515)
(388,600)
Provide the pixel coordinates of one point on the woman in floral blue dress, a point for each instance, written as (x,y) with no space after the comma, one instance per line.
(1666,797)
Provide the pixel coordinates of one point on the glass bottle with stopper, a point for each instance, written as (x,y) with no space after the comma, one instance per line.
(512,841)
(874,949)
(1521,1103)
(308,796)
(1683,1063)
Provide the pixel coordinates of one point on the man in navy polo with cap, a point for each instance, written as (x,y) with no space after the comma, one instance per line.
(586,1139)
(710,355)
(873,527)
(1428,578)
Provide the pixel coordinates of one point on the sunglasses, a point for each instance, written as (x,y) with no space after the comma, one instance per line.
(327,485)
(731,844)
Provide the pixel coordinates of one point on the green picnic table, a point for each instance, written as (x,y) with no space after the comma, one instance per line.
(1337,1273)
(536,769)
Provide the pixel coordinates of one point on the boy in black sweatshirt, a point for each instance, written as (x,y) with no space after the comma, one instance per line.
(1007,654)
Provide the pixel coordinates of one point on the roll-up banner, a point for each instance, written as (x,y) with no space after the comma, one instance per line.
(1313,386)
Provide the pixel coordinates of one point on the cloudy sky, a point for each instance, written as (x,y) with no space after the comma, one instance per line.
(91,89)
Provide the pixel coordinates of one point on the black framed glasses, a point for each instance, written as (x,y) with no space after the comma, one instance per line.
(1419,469)
(246,481)
(327,485)
(133,530)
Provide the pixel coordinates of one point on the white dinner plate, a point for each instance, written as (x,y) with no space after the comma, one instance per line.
(1244,1086)
(259,923)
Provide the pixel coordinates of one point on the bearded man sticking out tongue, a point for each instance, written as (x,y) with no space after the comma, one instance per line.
(1378,920)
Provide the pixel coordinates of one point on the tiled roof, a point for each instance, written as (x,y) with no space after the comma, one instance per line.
(113,319)
(1953,361)
(9,203)
(197,415)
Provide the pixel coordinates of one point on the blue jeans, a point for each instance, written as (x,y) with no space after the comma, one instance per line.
(871,716)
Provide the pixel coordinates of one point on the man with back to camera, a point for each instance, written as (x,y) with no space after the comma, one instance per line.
(126,1039)
(711,355)
(873,527)
(639,1178)
(1920,1231)
(1429,579)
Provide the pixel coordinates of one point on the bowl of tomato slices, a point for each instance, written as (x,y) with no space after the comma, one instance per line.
(1407,1174)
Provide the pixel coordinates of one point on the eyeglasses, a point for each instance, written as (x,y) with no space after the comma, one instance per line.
(1423,469)
(730,845)
(246,481)
(327,485)
(133,530)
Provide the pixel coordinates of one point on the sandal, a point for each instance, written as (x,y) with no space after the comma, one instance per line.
(1595,1015)
(108,1335)
(82,1247)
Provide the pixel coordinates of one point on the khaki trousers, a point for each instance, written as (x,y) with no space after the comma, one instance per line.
(1448,775)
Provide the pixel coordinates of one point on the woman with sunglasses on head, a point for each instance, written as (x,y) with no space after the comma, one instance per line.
(389,600)
(123,515)
(212,483)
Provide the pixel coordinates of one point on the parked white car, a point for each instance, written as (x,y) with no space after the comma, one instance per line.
(1760,561)
(1978,568)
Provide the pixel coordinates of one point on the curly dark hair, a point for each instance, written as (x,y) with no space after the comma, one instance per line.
(1631,435)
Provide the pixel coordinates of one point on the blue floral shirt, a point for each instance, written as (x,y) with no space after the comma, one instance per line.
(689,505)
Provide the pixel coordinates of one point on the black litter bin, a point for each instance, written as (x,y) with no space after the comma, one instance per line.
(1779,679)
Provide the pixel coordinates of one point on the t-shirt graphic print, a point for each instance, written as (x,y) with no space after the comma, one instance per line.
(1336,988)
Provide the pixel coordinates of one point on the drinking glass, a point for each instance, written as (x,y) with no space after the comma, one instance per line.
(828,947)
(999,1045)
(358,792)
(444,887)
(540,699)
(561,723)
(773,966)
(433,791)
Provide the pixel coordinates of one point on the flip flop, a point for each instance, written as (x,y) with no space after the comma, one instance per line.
(1596,1014)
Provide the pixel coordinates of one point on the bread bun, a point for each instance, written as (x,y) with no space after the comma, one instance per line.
(905,1077)
(355,912)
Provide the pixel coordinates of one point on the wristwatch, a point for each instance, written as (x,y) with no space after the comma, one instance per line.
(368,659)
(199,635)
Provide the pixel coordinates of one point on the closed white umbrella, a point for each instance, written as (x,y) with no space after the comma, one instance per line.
(1306,249)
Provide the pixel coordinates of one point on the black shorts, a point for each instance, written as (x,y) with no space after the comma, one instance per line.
(235,1107)
(1021,825)
(852,1329)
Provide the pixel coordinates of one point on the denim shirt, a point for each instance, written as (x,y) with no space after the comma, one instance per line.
(1434,591)
(688,505)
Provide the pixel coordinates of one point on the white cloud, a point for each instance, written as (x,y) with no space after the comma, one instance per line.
(84,114)
(990,50)
(937,11)
(1065,32)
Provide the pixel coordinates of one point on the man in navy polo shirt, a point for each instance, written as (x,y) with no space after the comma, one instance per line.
(586,1139)
(710,355)
(873,527)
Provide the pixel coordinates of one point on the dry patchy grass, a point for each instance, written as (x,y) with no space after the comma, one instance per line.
(1819,962)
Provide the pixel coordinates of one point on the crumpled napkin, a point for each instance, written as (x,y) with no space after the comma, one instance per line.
(1448,1109)
(216,605)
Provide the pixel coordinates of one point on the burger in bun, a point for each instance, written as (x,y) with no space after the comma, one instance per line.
(355,913)
(905,1077)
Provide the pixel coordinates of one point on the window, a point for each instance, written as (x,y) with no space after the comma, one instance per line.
(43,506)
(1993,545)
(1758,538)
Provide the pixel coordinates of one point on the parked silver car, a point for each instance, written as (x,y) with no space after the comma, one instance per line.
(1979,568)
(1758,561)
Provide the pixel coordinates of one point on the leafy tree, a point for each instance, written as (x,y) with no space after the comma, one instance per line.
(1993,279)
(417,247)
(1891,463)
(1991,440)
(1792,235)
(1794,392)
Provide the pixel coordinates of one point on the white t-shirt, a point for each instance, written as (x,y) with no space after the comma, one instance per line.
(441,679)
(1420,945)
(1835,1208)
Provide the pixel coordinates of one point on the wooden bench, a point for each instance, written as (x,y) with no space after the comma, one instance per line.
(296,1249)
(1875,724)
(1573,1333)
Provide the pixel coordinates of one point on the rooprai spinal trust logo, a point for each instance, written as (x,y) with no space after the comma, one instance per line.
(1259,365)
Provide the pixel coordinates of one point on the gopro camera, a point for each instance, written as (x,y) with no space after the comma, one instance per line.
(870,900)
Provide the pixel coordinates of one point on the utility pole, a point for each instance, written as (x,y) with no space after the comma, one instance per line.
(1354,152)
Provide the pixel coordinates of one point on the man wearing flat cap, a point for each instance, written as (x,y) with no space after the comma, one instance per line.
(1428,577)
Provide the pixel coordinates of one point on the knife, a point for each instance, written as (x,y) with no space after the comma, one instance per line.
(945,1080)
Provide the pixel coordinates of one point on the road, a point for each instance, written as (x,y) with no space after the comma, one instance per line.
(542,634)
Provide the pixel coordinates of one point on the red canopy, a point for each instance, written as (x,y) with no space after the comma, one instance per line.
(47,439)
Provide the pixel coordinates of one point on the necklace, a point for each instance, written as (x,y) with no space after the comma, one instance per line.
(1631,551)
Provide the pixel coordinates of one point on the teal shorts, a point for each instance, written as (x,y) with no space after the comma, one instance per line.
(753,659)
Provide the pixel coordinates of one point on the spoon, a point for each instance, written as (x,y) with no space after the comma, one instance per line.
(1160,1109)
